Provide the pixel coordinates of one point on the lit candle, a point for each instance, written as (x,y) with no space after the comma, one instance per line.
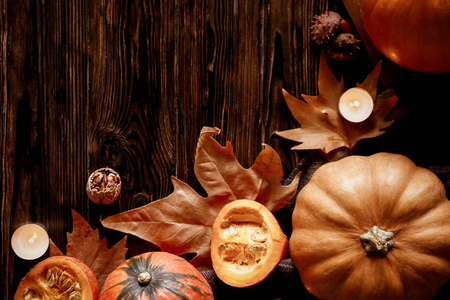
(356,105)
(30,241)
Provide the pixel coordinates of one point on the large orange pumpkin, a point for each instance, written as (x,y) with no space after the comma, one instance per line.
(58,277)
(156,276)
(414,34)
(374,227)
(247,243)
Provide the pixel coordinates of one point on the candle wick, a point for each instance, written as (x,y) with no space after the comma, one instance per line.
(33,238)
(354,103)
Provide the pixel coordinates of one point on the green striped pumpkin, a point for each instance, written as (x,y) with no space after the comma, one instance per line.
(156,276)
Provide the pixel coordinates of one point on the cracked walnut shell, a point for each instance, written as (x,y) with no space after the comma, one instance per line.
(103,186)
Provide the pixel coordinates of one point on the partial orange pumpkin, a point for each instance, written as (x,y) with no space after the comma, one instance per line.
(413,34)
(246,244)
(156,276)
(374,227)
(58,277)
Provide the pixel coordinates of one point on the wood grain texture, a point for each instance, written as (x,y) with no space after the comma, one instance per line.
(129,84)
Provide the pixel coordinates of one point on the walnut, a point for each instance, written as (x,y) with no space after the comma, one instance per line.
(103,186)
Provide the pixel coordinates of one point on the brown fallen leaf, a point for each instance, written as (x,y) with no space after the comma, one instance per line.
(322,127)
(54,250)
(219,172)
(85,244)
(181,223)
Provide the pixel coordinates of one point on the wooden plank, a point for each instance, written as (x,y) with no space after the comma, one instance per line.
(63,104)
(233,75)
(92,84)
(131,105)
(132,111)
(235,57)
(21,200)
(291,62)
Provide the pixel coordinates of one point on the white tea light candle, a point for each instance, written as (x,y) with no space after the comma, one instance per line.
(355,105)
(30,241)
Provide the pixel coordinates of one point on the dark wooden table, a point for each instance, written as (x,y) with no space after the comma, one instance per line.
(129,84)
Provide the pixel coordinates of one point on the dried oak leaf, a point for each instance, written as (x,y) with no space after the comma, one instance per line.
(85,244)
(181,223)
(322,127)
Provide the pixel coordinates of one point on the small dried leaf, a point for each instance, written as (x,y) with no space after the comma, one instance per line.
(322,127)
(85,244)
(219,172)
(54,250)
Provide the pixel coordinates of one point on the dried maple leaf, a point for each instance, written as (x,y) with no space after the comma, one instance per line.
(85,244)
(322,127)
(54,250)
(181,223)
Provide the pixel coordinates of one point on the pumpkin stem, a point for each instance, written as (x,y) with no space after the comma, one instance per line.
(144,278)
(377,239)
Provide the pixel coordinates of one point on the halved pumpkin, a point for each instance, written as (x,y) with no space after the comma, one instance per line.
(60,278)
(246,244)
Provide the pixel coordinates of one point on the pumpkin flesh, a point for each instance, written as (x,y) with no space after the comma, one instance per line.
(171,277)
(246,244)
(345,199)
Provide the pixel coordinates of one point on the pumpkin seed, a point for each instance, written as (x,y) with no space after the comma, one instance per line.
(71,289)
(75,295)
(49,274)
(68,285)
(31,295)
(259,236)
(56,277)
(255,252)
(230,231)
(225,223)
(61,279)
(229,251)
(51,281)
